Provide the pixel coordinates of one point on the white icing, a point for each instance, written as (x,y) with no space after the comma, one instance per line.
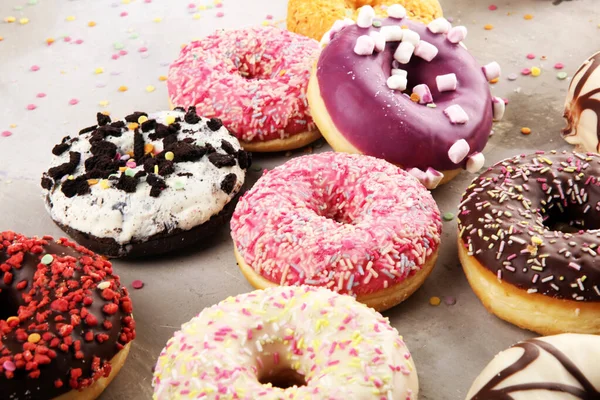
(582,350)
(199,198)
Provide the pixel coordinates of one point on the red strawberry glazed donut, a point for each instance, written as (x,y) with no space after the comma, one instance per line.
(254,80)
(408,93)
(354,224)
(65,320)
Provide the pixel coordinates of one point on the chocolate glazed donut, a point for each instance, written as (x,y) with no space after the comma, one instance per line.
(528,241)
(64,317)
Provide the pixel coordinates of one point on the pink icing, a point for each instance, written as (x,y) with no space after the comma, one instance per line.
(253,79)
(355,224)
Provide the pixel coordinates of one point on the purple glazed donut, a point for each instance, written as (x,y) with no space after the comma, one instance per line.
(405,92)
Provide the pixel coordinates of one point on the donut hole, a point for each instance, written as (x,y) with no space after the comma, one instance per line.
(570,219)
(275,370)
(283,378)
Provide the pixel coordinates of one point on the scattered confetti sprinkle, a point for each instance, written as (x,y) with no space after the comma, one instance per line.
(450,300)
(157,19)
(561,75)
(40,95)
(137,284)
(196,16)
(118,45)
(488,27)
(143,49)
(124,14)
(512,77)
(123,88)
(528,17)
(220,14)
(73,102)
(448,216)
(531,56)
(34,338)
(103,103)
(24,21)
(34,68)
(99,70)
(495,80)
(6,133)
(1,38)
(269,17)
(535,71)
(150,88)
(162,78)
(13,126)
(435,301)
(91,24)
(525,130)
(525,71)
(31,107)
(10,20)
(70,18)
(47,259)
(559,66)
(49,41)
(9,366)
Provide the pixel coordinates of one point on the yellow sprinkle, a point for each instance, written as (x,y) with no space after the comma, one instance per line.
(122,169)
(126,1)
(103,103)
(10,319)
(13,125)
(162,78)
(148,147)
(130,153)
(202,7)
(196,16)
(71,18)
(99,70)
(525,130)
(536,71)
(133,126)
(265,23)
(157,19)
(495,80)
(122,88)
(34,338)
(536,240)
(24,21)
(169,119)
(92,182)
(488,27)
(70,177)
(10,20)
(91,24)
(142,119)
(49,41)
(169,156)
(435,301)
(150,88)
(528,16)
(282,72)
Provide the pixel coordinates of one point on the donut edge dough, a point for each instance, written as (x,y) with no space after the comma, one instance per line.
(333,136)
(94,391)
(532,311)
(295,141)
(381,300)
(314,18)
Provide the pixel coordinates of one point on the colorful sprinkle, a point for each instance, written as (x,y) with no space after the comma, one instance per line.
(536,71)
(6,134)
(34,68)
(435,301)
(525,71)
(137,284)
(10,20)
(99,70)
(162,78)
(40,95)
(169,156)
(531,56)
(24,21)
(73,102)
(123,88)
(450,300)
(220,14)
(562,75)
(448,216)
(525,130)
(559,66)
(169,119)
(512,77)
(528,17)
(47,259)
(9,366)
(34,338)
(488,27)
(150,88)
(91,24)
(70,18)
(103,285)
(492,7)
(31,107)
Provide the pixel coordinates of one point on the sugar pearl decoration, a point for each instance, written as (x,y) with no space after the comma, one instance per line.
(475,162)
(439,25)
(424,93)
(426,51)
(397,82)
(404,52)
(458,151)
(456,114)
(366,14)
(446,83)
(457,34)
(396,11)
(392,33)
(364,45)
(499,108)
(379,40)
(492,71)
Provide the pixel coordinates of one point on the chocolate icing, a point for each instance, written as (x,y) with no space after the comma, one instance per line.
(507,217)
(531,352)
(387,124)
(582,102)
(35,307)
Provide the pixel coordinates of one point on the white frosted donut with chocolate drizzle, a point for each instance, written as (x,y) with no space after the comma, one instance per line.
(562,367)
(582,109)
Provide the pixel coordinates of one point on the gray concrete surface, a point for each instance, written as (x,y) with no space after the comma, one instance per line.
(450,344)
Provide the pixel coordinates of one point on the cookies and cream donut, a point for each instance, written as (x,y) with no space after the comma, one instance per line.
(286,343)
(65,320)
(561,367)
(352,223)
(254,80)
(582,109)
(528,241)
(313,18)
(144,185)
(405,92)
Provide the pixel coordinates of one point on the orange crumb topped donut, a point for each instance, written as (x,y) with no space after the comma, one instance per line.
(313,18)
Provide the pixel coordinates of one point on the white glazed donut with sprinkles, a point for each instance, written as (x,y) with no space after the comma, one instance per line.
(286,343)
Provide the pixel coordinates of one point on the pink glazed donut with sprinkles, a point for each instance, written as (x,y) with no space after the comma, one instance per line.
(254,80)
(355,224)
(406,92)
(286,343)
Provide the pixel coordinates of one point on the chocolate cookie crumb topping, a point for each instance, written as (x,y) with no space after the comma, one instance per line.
(78,186)
(214,124)
(66,168)
(134,117)
(228,183)
(127,183)
(63,146)
(103,119)
(157,183)
(227,147)
(221,160)
(244,159)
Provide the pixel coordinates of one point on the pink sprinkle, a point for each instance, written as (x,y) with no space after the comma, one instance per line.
(73,102)
(531,56)
(131,164)
(493,7)
(559,65)
(78,41)
(525,71)
(31,107)
(9,366)
(6,134)
(276,358)
(115,57)
(137,284)
(41,95)
(147,1)
(269,17)
(220,14)
(123,52)
(191,5)
(124,14)
(67,39)
(143,49)
(219,5)
(34,68)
